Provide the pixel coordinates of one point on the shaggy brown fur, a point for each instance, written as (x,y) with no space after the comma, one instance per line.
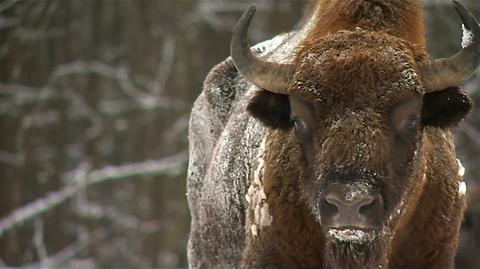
(359,58)
(356,73)
(401,18)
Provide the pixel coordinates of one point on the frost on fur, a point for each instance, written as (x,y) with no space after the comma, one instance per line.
(461,169)
(348,235)
(462,188)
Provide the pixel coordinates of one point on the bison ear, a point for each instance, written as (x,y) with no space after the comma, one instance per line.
(272,109)
(445,109)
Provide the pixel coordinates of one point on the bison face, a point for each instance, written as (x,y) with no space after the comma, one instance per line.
(358,103)
(357,110)
(356,107)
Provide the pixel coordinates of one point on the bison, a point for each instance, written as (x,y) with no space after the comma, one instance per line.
(331,146)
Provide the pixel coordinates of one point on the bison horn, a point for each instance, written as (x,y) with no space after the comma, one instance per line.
(273,77)
(454,71)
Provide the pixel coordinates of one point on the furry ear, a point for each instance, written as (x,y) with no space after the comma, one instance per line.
(445,109)
(272,109)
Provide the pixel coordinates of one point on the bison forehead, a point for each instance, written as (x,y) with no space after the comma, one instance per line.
(357,67)
(355,139)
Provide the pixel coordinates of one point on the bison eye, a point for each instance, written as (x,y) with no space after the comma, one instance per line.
(408,127)
(301,129)
(303,134)
(405,117)
(302,119)
(299,126)
(411,123)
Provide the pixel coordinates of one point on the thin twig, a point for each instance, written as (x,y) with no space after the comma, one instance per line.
(169,165)
(120,75)
(166,64)
(58,259)
(39,242)
(7,4)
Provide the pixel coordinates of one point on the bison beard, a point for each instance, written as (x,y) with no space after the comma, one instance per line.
(352,254)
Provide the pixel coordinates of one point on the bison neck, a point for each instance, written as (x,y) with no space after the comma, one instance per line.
(402,18)
(291,238)
(429,239)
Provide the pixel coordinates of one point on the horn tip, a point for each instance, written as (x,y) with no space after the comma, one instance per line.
(250,10)
(247,15)
(460,8)
(456,4)
(467,17)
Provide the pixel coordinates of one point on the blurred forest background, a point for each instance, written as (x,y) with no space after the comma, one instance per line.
(94,104)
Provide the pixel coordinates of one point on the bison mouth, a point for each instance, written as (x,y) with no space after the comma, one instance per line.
(352,235)
(351,247)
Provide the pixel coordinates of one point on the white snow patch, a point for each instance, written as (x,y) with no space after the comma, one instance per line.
(263,195)
(424,176)
(349,235)
(397,210)
(352,195)
(254,230)
(357,190)
(259,215)
(274,42)
(461,169)
(265,219)
(467,37)
(462,188)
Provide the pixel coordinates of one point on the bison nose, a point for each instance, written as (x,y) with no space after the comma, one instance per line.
(361,210)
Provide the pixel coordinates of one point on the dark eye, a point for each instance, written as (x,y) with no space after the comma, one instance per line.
(411,123)
(298,124)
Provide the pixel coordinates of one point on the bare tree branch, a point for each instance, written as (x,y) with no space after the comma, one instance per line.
(13,159)
(88,210)
(24,95)
(166,64)
(7,4)
(177,128)
(38,241)
(60,258)
(83,179)
(119,74)
(6,22)
(209,11)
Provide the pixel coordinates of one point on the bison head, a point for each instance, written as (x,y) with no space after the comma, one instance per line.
(359,104)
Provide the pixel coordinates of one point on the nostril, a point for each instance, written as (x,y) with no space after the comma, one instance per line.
(330,207)
(367,208)
(370,210)
(339,208)
(331,201)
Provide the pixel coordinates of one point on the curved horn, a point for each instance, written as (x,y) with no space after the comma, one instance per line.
(455,70)
(273,77)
